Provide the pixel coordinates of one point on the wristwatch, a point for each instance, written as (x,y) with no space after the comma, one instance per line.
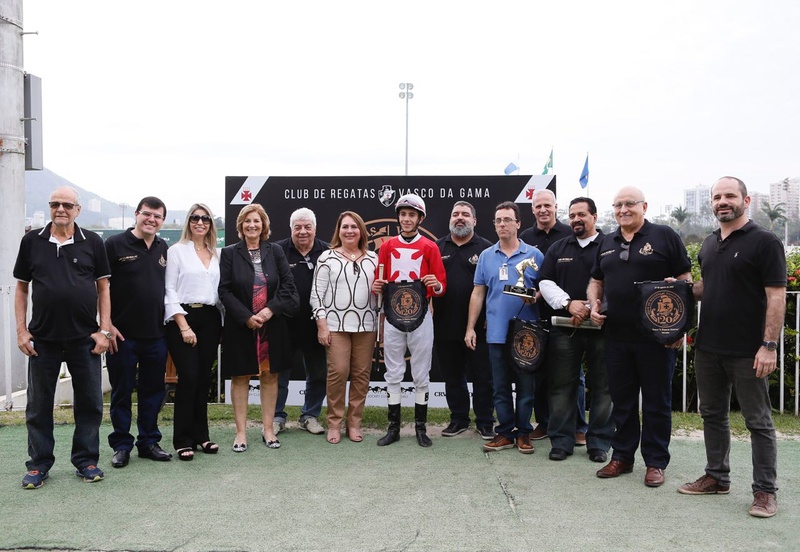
(770,345)
(106,333)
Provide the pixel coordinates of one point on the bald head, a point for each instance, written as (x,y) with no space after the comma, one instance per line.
(630,192)
(629,209)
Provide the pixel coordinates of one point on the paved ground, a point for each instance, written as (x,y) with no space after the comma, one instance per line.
(310,495)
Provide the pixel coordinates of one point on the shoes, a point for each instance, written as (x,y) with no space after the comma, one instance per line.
(597,455)
(121,458)
(615,468)
(654,477)
(185,454)
(764,504)
(454,429)
(486,432)
(34,479)
(354,434)
(524,444)
(334,435)
(154,452)
(90,474)
(239,447)
(559,454)
(498,443)
(209,447)
(539,433)
(705,485)
(311,425)
(270,444)
(278,426)
(580,439)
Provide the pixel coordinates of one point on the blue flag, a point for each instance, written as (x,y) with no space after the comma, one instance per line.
(511,169)
(585,173)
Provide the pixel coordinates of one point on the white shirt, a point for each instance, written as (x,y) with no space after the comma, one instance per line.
(552,293)
(188,280)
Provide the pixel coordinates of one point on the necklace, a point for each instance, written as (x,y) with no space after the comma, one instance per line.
(352,256)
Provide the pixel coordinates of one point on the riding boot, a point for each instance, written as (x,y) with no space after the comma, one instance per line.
(393,431)
(420,418)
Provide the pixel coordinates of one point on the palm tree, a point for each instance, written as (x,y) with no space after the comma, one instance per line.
(774,214)
(680,215)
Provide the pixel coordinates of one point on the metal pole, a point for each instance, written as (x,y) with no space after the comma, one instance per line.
(407,134)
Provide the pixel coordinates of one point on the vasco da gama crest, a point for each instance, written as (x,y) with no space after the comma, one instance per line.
(405,304)
(666,309)
(526,341)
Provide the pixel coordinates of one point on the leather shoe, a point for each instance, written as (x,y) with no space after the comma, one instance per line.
(154,452)
(597,455)
(559,454)
(654,477)
(615,468)
(120,458)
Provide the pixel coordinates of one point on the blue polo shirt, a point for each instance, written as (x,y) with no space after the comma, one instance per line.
(500,308)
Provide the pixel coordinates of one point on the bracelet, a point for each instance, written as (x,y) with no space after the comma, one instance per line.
(186,330)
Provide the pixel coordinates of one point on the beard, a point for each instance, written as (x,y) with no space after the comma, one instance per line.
(736,211)
(461,231)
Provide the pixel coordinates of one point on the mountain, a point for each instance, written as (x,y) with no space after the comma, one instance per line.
(96,211)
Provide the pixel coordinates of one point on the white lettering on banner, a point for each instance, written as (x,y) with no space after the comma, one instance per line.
(352,193)
(295,194)
(376,396)
(319,194)
(424,193)
(474,192)
(445,192)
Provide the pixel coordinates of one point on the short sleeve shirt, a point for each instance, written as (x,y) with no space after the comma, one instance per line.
(735,272)
(501,308)
(569,265)
(655,252)
(64,281)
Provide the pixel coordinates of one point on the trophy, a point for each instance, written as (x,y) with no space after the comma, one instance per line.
(519,289)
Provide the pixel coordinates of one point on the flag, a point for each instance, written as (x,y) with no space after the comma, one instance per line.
(549,165)
(584,180)
(511,169)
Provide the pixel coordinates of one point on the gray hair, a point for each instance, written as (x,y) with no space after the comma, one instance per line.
(303,213)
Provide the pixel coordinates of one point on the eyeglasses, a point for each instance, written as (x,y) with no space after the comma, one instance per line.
(66,206)
(307,260)
(504,220)
(148,214)
(627,204)
(625,253)
(205,219)
(356,268)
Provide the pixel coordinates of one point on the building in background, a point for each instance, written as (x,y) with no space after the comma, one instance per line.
(787,191)
(694,199)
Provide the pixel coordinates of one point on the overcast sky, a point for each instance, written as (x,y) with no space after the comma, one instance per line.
(169,97)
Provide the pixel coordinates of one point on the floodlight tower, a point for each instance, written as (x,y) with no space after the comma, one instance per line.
(406,95)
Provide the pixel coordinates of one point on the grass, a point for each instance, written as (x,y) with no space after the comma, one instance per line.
(375,417)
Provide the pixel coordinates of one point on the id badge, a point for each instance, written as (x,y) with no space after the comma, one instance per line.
(504,273)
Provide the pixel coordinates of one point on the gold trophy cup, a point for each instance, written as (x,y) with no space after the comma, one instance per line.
(519,289)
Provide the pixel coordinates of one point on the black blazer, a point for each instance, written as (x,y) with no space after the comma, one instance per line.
(236,293)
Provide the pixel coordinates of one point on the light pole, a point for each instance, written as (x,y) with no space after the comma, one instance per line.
(406,95)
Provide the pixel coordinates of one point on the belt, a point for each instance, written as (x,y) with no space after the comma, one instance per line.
(195,305)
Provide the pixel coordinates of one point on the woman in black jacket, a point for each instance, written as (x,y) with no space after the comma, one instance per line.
(257,289)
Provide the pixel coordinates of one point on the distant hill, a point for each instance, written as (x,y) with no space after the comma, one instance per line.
(40,184)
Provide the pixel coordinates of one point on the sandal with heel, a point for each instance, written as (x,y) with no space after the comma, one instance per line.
(209,447)
(185,454)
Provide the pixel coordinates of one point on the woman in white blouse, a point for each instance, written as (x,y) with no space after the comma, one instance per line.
(346,312)
(194,326)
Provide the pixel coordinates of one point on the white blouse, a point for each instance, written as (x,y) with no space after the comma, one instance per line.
(342,292)
(188,280)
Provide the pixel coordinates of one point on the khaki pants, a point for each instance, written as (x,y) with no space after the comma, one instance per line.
(349,356)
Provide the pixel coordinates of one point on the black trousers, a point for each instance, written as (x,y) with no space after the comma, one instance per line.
(193,365)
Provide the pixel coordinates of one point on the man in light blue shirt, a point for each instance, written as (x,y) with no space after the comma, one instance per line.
(496,269)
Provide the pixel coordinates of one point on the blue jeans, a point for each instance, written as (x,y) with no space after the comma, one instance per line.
(716,376)
(456,362)
(150,355)
(644,367)
(567,351)
(43,372)
(511,422)
(316,368)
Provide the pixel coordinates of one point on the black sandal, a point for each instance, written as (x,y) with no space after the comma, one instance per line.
(185,454)
(209,447)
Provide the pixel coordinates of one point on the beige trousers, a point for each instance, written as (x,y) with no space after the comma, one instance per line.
(349,356)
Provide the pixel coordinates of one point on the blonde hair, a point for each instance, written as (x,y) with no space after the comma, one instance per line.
(259,210)
(210,237)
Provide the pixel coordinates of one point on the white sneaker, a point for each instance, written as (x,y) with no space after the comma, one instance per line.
(312,426)
(278,426)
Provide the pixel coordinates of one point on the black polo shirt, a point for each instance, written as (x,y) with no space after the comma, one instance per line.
(569,265)
(451,310)
(542,240)
(64,281)
(137,285)
(735,272)
(656,252)
(302,326)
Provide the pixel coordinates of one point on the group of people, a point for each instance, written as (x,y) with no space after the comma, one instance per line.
(328,303)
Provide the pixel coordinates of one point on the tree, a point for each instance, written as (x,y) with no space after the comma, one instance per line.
(774,214)
(680,215)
